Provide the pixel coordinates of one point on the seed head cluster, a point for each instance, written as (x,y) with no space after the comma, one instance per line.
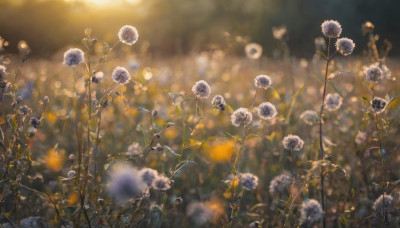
(240,117)
(373,73)
(309,117)
(121,75)
(249,181)
(148,176)
(267,111)
(161,183)
(383,204)
(128,34)
(331,29)
(292,142)
(262,81)
(73,56)
(219,102)
(333,101)
(345,46)
(253,51)
(378,104)
(279,183)
(201,89)
(311,212)
(199,213)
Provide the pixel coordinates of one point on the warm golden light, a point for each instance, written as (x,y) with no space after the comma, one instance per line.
(105,2)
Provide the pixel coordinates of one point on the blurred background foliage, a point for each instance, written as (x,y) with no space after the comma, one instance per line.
(174,27)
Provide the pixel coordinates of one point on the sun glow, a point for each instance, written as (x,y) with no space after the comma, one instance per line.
(105,2)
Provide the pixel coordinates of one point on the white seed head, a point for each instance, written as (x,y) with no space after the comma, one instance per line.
(219,102)
(249,181)
(279,183)
(148,176)
(199,213)
(267,111)
(379,104)
(240,117)
(134,149)
(331,29)
(360,138)
(383,204)
(345,46)
(311,212)
(333,101)
(374,73)
(73,56)
(262,81)
(253,50)
(121,75)
(3,72)
(128,34)
(292,142)
(161,183)
(309,117)
(125,182)
(201,89)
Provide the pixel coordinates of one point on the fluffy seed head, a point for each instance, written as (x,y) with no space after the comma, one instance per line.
(292,142)
(361,137)
(219,102)
(262,81)
(309,117)
(249,181)
(241,116)
(73,56)
(134,149)
(24,110)
(201,89)
(373,73)
(253,50)
(345,46)
(255,224)
(128,34)
(199,213)
(383,204)
(161,183)
(71,173)
(267,111)
(148,175)
(378,104)
(125,182)
(367,27)
(121,75)
(279,183)
(320,44)
(331,29)
(3,72)
(279,32)
(311,212)
(333,101)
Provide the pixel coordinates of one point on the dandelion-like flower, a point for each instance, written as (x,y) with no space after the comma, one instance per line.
(292,142)
(311,212)
(360,138)
(262,81)
(331,29)
(128,34)
(125,182)
(98,77)
(201,89)
(34,122)
(219,102)
(345,46)
(121,75)
(373,73)
(148,175)
(267,111)
(255,224)
(24,110)
(279,183)
(3,72)
(378,104)
(240,117)
(383,204)
(249,181)
(253,50)
(161,183)
(199,213)
(71,173)
(333,101)
(385,71)
(309,117)
(73,56)
(134,149)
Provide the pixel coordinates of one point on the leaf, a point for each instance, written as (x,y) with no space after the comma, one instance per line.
(298,92)
(183,164)
(364,98)
(393,102)
(169,124)
(178,156)
(316,77)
